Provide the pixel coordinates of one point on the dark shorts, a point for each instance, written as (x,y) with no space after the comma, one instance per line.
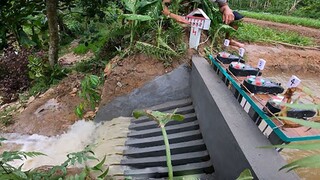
(237,15)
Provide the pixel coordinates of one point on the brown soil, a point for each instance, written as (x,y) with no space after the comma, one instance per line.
(134,71)
(304,31)
(282,59)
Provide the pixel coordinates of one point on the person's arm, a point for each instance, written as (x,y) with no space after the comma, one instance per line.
(167,13)
(227,14)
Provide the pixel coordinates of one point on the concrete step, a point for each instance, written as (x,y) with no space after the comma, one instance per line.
(158,140)
(194,125)
(176,159)
(152,124)
(184,147)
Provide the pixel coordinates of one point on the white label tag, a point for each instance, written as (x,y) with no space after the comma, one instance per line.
(261,64)
(293,82)
(226,42)
(241,52)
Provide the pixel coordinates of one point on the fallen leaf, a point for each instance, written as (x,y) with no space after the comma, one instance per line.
(107,69)
(89,115)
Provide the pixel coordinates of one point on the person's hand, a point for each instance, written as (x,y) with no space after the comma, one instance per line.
(179,19)
(176,17)
(227,16)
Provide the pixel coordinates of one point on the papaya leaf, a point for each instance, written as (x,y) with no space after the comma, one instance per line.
(138,114)
(177,117)
(245,175)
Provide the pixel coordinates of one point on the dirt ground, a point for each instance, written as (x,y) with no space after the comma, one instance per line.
(53,112)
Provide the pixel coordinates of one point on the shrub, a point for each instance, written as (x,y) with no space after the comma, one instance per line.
(13,73)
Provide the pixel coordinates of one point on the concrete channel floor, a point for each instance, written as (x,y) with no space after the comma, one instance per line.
(145,158)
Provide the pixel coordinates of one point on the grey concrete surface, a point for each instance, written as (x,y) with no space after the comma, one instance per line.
(172,86)
(231,137)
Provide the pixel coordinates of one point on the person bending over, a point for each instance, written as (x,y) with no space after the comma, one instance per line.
(228,15)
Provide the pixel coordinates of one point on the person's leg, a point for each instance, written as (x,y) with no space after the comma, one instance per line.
(238,17)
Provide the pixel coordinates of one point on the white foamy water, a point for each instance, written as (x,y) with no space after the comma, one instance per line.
(108,138)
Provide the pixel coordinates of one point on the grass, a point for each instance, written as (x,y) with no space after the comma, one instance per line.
(81,49)
(253,33)
(308,22)
(6,115)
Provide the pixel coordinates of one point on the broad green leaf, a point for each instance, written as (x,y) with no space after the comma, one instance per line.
(138,114)
(245,175)
(130,5)
(302,106)
(20,174)
(302,122)
(307,162)
(301,146)
(177,117)
(227,28)
(137,17)
(142,4)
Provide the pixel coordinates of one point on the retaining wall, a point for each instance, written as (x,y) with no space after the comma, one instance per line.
(231,137)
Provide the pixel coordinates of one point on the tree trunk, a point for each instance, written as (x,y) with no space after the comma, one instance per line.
(52,15)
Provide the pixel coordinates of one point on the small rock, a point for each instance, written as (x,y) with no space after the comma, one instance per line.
(89,115)
(74,92)
(31,99)
(118,78)
(119,84)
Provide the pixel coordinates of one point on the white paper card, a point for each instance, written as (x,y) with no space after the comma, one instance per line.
(293,82)
(261,64)
(226,42)
(241,52)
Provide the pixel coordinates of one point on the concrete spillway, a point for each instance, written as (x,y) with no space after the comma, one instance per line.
(217,140)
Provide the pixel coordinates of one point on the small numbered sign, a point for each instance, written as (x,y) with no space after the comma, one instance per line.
(293,82)
(241,52)
(261,64)
(226,42)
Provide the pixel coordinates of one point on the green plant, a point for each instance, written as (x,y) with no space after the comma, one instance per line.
(89,92)
(136,7)
(245,175)
(312,161)
(7,171)
(43,75)
(6,115)
(162,119)
(252,33)
(315,23)
(81,49)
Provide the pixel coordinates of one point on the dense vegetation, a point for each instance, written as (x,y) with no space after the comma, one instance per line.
(301,8)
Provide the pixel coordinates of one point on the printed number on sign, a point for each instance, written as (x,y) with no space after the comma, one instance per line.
(241,52)
(293,82)
(226,42)
(261,64)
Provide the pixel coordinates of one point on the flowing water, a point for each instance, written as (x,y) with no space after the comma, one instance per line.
(108,139)
(312,82)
